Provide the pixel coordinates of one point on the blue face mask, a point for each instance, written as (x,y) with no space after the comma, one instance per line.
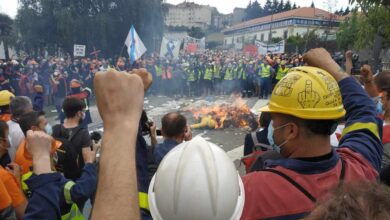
(48,129)
(270,137)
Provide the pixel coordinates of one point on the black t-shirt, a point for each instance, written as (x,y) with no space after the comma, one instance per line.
(80,140)
(61,89)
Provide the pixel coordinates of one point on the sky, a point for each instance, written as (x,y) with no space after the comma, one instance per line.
(224,6)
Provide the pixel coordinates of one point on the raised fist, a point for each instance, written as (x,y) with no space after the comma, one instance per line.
(119,97)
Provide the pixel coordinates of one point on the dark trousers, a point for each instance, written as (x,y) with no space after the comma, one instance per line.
(265,87)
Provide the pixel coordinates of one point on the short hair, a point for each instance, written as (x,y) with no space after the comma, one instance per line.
(382,80)
(3,128)
(318,127)
(173,124)
(355,200)
(19,106)
(71,106)
(265,119)
(29,119)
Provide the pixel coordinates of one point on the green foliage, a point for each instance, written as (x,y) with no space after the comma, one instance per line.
(254,10)
(104,24)
(359,31)
(196,32)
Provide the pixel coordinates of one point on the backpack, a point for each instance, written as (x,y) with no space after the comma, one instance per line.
(258,150)
(68,157)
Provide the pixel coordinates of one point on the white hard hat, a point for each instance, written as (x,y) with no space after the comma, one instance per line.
(196,180)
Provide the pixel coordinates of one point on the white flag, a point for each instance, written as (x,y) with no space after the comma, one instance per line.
(135,46)
(170,48)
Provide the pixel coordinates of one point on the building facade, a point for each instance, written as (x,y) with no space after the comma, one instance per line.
(187,14)
(282,25)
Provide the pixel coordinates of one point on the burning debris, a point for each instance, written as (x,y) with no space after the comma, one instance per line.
(223,115)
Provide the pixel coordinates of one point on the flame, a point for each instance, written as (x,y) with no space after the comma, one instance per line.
(236,114)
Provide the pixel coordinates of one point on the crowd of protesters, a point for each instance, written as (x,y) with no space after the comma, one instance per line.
(294,171)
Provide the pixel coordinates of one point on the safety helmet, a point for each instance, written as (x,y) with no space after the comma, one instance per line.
(74,83)
(5,97)
(307,93)
(196,180)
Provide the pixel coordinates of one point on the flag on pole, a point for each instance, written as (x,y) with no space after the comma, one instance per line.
(134,44)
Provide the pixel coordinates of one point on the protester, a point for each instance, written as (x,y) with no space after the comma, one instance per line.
(301,134)
(75,136)
(53,196)
(174,131)
(19,106)
(258,139)
(10,176)
(35,121)
(355,200)
(5,100)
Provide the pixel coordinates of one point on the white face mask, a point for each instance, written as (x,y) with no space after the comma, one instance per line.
(270,137)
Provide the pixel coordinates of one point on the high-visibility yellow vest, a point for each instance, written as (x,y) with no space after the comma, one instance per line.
(191,76)
(281,73)
(241,73)
(158,70)
(228,74)
(265,71)
(217,71)
(208,74)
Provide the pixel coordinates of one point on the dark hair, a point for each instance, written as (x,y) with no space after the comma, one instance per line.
(19,105)
(382,80)
(4,109)
(3,128)
(29,119)
(355,200)
(173,124)
(318,127)
(265,119)
(71,106)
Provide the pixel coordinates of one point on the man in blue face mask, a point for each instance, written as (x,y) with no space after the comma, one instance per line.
(305,107)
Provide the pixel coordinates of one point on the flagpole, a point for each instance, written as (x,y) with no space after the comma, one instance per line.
(120,55)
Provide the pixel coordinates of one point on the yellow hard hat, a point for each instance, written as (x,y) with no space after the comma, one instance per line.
(5,97)
(307,93)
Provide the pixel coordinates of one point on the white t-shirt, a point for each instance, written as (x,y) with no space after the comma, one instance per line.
(16,136)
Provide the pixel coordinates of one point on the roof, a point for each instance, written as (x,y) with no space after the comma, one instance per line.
(306,12)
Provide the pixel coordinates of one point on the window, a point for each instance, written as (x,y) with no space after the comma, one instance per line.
(262,37)
(285,34)
(225,42)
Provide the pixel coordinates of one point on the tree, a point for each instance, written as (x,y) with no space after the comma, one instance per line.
(347,11)
(268,8)
(59,24)
(287,6)
(281,6)
(312,5)
(294,6)
(196,32)
(6,30)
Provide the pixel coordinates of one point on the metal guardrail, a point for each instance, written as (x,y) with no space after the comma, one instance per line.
(386,66)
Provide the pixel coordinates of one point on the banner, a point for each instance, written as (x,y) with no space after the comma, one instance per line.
(190,42)
(250,50)
(79,50)
(264,48)
(170,48)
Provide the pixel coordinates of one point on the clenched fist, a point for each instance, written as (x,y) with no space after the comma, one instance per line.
(366,73)
(145,76)
(321,58)
(119,97)
(39,144)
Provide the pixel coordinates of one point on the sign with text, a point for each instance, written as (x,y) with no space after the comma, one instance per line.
(264,48)
(79,50)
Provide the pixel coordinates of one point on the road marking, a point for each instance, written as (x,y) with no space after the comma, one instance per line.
(236,153)
(259,104)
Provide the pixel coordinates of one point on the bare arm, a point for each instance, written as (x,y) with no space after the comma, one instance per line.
(348,62)
(368,80)
(120,100)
